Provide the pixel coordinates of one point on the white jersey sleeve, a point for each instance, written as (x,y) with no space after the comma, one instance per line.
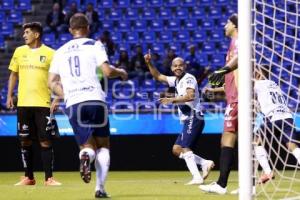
(171,81)
(54,66)
(100,53)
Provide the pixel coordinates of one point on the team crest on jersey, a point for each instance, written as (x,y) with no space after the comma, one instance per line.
(43,59)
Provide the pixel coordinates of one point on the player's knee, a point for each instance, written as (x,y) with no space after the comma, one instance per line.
(176,150)
(26,142)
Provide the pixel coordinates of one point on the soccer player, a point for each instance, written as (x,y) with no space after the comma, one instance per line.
(229,135)
(278,118)
(188,102)
(73,77)
(30,64)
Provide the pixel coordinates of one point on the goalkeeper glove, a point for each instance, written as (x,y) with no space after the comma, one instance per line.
(217,77)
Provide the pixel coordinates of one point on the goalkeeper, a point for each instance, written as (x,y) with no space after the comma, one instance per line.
(216,79)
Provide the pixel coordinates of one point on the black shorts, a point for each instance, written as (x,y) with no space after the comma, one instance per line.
(32,123)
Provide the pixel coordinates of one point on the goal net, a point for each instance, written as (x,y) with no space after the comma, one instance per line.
(276,44)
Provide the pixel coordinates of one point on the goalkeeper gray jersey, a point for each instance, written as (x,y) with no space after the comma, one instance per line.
(271,100)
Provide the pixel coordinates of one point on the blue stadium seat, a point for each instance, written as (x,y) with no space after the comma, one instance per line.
(124,25)
(208,23)
(229,10)
(208,47)
(7,5)
(157,25)
(145,105)
(107,24)
(188,3)
(158,48)
(105,4)
(215,12)
(148,85)
(165,13)
(7,29)
(131,13)
(2,43)
(115,14)
(217,35)
(116,37)
(166,36)
(125,46)
(182,13)
(64,38)
(24,5)
(78,2)
(86,2)
(205,2)
(198,13)
(174,24)
(199,35)
(155,3)
(140,25)
(191,24)
(183,36)
(149,37)
(132,37)
(15,17)
(149,14)
(2,16)
(171,3)
(138,3)
(101,14)
(221,2)
(218,60)
(49,39)
(221,22)
(175,46)
(203,59)
(123,3)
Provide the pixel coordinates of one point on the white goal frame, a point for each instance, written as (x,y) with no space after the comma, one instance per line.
(245,96)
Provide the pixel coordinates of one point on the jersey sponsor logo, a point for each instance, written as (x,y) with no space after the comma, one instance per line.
(228,124)
(43,59)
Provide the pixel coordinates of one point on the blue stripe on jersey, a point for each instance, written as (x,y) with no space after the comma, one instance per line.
(90,42)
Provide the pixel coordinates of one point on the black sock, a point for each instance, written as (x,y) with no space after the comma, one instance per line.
(226,161)
(47,158)
(27,160)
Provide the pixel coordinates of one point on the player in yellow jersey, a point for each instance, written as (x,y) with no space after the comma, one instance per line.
(30,65)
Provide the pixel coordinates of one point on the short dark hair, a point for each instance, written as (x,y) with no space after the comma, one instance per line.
(78,21)
(234,19)
(34,26)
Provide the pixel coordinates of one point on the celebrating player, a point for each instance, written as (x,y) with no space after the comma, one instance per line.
(188,102)
(74,64)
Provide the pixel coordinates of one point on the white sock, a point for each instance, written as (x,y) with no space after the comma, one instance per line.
(90,152)
(191,164)
(296,153)
(199,160)
(262,157)
(102,162)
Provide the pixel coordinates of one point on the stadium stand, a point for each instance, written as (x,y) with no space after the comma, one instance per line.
(156,24)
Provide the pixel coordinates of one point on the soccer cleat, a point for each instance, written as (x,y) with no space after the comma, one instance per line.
(236,191)
(207,167)
(85,167)
(213,188)
(24,180)
(100,194)
(51,182)
(265,178)
(195,181)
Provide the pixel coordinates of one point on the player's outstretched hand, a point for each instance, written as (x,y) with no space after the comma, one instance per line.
(124,75)
(147,57)
(166,100)
(217,77)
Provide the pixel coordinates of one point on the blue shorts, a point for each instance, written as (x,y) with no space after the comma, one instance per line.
(279,127)
(89,118)
(191,131)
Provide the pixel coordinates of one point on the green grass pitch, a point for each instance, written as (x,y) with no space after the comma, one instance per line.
(135,185)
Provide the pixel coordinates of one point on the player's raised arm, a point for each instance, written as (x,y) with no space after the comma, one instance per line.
(155,73)
(54,84)
(111,72)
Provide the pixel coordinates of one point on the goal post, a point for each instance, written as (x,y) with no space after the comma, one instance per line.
(245,96)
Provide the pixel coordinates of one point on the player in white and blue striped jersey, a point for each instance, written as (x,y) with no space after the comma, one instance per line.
(189,109)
